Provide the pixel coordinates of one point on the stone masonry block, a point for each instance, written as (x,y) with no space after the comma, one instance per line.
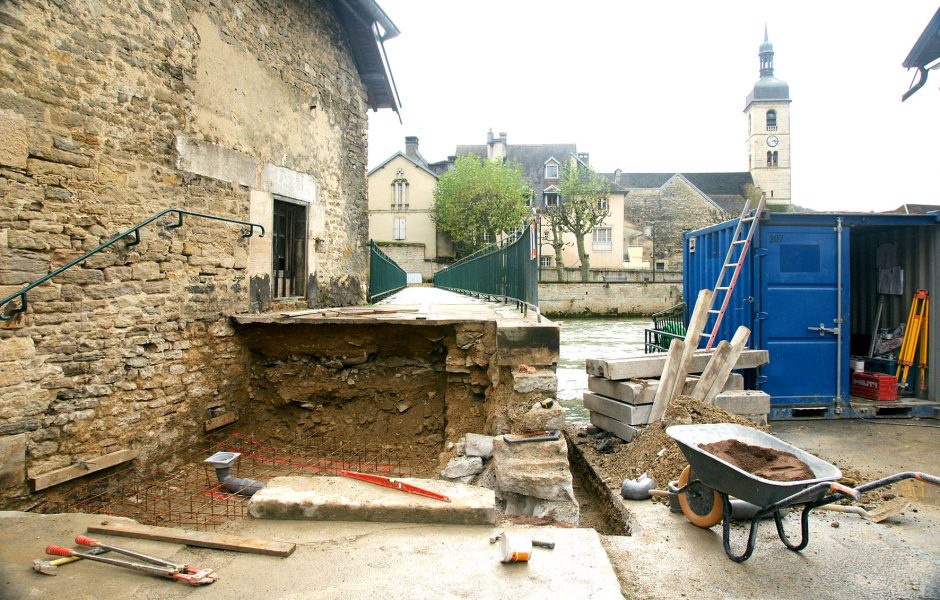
(12,460)
(621,430)
(744,402)
(14,144)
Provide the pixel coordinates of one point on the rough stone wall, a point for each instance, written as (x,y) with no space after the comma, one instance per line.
(607,299)
(412,260)
(670,210)
(132,348)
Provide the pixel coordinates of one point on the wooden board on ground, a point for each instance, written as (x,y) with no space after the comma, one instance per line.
(621,430)
(668,380)
(220,421)
(202,539)
(651,365)
(719,367)
(46,480)
(693,334)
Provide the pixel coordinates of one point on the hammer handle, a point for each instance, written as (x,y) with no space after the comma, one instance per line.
(540,544)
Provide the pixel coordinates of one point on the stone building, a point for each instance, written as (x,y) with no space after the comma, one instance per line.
(768,131)
(112,112)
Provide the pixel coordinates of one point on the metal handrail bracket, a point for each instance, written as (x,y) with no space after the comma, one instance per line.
(133,231)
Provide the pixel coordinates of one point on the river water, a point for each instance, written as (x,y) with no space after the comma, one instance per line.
(592,338)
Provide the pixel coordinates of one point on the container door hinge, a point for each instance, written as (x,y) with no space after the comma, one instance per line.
(760,251)
(761,379)
(760,316)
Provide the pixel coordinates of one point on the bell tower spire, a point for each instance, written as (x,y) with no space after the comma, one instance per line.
(766,56)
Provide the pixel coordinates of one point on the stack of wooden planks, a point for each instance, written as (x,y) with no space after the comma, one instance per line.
(627,393)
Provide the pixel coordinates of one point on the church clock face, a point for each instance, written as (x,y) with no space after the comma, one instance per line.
(772,141)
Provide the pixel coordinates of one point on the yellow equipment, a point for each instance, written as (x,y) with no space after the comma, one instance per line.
(917,323)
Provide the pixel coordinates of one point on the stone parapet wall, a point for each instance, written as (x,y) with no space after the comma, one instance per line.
(112,112)
(607,299)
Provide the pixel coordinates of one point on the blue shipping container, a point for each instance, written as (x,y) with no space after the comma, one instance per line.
(795,293)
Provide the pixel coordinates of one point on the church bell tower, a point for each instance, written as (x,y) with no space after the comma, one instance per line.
(768,131)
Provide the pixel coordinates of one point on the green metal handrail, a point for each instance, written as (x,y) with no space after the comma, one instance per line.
(668,325)
(385,276)
(133,231)
(505,270)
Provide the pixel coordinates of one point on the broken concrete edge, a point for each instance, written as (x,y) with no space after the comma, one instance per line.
(601,490)
(527,343)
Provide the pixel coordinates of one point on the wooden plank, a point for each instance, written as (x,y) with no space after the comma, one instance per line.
(651,365)
(220,421)
(47,480)
(692,336)
(719,367)
(621,430)
(668,380)
(202,539)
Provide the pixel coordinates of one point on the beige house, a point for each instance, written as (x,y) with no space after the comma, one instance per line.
(401,197)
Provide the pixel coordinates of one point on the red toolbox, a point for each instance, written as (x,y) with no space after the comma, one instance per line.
(875,386)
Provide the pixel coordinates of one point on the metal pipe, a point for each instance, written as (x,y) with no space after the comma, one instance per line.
(838,312)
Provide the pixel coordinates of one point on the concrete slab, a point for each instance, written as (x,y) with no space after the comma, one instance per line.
(621,411)
(345,499)
(621,430)
(651,365)
(744,402)
(332,560)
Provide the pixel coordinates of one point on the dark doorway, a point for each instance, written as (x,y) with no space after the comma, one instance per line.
(290,248)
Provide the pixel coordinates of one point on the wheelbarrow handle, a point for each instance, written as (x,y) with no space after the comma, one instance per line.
(867,487)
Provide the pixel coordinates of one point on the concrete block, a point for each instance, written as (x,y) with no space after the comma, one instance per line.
(621,430)
(12,460)
(621,411)
(744,402)
(478,445)
(625,391)
(527,344)
(345,499)
(651,365)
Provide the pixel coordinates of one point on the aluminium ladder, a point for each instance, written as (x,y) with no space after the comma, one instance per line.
(739,246)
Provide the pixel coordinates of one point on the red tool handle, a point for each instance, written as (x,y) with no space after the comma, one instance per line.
(58,550)
(81,540)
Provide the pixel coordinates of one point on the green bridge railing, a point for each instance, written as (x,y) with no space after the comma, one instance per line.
(507,270)
(385,276)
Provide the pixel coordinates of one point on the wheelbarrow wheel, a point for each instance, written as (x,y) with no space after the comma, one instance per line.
(700,504)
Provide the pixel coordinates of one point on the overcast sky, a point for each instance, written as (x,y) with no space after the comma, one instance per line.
(660,86)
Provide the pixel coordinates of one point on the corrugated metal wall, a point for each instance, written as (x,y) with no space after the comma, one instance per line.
(918,254)
(701,269)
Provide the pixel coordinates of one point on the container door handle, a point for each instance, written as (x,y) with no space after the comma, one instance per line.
(823,330)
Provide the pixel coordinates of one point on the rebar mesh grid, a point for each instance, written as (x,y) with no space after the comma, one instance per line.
(181,490)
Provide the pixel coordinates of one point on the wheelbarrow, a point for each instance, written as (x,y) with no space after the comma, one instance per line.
(707,484)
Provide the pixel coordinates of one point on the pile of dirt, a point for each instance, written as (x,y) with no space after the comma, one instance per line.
(655,453)
(763,462)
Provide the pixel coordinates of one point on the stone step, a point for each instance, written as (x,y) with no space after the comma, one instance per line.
(345,499)
(621,430)
(642,391)
(621,411)
(651,365)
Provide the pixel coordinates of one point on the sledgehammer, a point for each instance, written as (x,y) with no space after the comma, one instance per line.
(49,567)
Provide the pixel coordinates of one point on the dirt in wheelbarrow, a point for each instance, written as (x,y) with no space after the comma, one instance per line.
(652,451)
(768,463)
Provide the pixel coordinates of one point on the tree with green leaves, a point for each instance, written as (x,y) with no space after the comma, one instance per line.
(551,216)
(478,200)
(583,206)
